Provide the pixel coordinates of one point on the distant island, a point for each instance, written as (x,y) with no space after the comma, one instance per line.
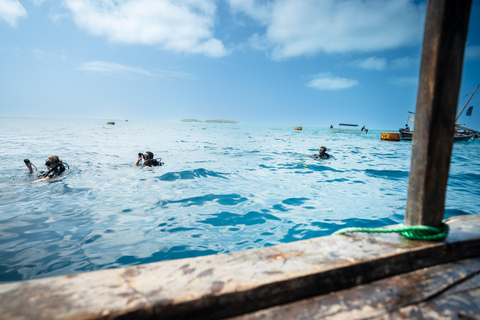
(209,121)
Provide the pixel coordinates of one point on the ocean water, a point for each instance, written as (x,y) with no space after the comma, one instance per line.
(223,188)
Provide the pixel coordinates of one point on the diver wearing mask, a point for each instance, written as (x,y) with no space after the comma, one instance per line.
(55,167)
(322,153)
(148,160)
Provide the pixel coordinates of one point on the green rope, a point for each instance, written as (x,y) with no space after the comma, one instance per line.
(412,232)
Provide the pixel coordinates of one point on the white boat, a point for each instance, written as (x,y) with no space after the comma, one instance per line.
(349,128)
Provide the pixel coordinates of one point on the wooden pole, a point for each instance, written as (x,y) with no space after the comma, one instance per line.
(443,48)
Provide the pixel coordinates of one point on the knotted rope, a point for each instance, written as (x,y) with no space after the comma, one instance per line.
(426,233)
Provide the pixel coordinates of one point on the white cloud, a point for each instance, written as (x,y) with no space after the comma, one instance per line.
(258,42)
(11,11)
(38,53)
(57,14)
(374,63)
(403,63)
(62,55)
(15,50)
(327,81)
(404,81)
(259,11)
(295,28)
(370,63)
(115,69)
(180,26)
(472,53)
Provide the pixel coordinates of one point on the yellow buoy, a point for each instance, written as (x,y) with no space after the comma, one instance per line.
(298,128)
(392,136)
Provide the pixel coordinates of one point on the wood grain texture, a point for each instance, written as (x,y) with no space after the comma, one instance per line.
(443,49)
(226,285)
(442,291)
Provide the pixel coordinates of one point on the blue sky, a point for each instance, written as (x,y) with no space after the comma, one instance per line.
(279,62)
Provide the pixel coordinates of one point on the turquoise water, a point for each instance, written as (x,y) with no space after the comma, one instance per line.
(223,188)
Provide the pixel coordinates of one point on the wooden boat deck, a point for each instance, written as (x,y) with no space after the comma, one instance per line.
(446,291)
(314,276)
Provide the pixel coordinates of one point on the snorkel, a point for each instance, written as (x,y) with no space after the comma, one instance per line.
(27,163)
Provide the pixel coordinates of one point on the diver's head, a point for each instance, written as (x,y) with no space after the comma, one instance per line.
(52,161)
(322,150)
(147,155)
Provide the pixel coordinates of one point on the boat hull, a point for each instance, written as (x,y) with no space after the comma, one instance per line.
(346,130)
(462,137)
(408,136)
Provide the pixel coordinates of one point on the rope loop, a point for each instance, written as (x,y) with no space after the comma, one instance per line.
(418,232)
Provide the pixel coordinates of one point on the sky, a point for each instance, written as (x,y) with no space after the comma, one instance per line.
(270,62)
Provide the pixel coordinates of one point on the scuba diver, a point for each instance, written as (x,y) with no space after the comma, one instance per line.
(55,167)
(148,160)
(322,154)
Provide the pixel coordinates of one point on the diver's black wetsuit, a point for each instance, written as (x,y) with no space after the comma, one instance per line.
(152,163)
(321,156)
(55,171)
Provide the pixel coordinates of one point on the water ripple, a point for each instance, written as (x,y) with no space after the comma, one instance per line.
(191,174)
(222,199)
(223,188)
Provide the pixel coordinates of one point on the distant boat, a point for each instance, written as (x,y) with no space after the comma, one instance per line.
(349,128)
(298,128)
(111,122)
(459,136)
(461,133)
(406,133)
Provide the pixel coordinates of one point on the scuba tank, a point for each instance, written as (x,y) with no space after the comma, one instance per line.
(57,169)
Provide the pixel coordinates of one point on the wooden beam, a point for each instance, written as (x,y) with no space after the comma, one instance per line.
(439,292)
(226,285)
(443,48)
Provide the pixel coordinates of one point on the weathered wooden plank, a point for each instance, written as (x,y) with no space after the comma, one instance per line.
(220,286)
(440,74)
(455,304)
(383,298)
(472,284)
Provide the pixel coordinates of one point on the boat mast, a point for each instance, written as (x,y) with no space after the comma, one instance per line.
(466,103)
